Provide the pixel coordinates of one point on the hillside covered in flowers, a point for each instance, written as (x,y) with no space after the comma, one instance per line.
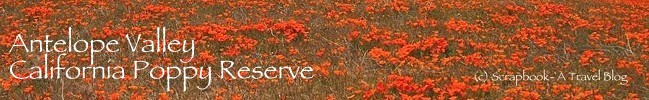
(358,49)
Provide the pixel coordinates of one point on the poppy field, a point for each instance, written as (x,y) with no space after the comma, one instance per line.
(352,49)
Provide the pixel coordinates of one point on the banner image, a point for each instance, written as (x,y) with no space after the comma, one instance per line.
(324,49)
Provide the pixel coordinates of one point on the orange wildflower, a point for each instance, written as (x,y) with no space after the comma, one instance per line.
(461,26)
(38,11)
(291,29)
